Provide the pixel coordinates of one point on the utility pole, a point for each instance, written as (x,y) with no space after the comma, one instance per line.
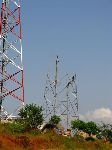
(56,82)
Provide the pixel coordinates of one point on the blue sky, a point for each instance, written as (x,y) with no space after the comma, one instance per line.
(80,32)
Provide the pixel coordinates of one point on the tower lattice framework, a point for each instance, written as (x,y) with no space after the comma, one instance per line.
(60,98)
(11,58)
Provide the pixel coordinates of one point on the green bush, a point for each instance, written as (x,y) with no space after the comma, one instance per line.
(54,120)
(16,127)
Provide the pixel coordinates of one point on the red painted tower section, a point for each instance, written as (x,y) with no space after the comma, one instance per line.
(11,57)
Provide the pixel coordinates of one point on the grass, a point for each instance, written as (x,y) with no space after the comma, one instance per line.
(49,141)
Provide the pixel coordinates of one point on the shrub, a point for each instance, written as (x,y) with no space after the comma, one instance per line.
(54,120)
(31,116)
(89,127)
(16,127)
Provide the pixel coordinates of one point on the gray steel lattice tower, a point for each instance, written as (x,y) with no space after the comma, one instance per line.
(61,98)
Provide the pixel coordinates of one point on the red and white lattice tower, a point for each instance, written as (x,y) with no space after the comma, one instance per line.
(11,61)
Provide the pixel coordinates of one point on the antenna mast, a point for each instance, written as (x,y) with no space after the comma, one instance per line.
(56,82)
(11,58)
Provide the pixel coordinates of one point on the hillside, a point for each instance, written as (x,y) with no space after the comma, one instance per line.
(48,141)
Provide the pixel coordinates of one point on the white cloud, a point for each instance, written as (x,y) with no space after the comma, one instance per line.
(98,115)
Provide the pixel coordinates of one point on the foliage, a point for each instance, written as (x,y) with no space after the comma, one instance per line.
(54,120)
(78,124)
(105,132)
(5,128)
(89,127)
(109,135)
(31,116)
(16,127)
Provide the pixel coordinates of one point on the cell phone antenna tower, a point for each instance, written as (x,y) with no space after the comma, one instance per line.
(60,98)
(11,58)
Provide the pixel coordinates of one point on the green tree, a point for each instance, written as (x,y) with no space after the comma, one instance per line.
(31,116)
(78,124)
(91,128)
(54,120)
